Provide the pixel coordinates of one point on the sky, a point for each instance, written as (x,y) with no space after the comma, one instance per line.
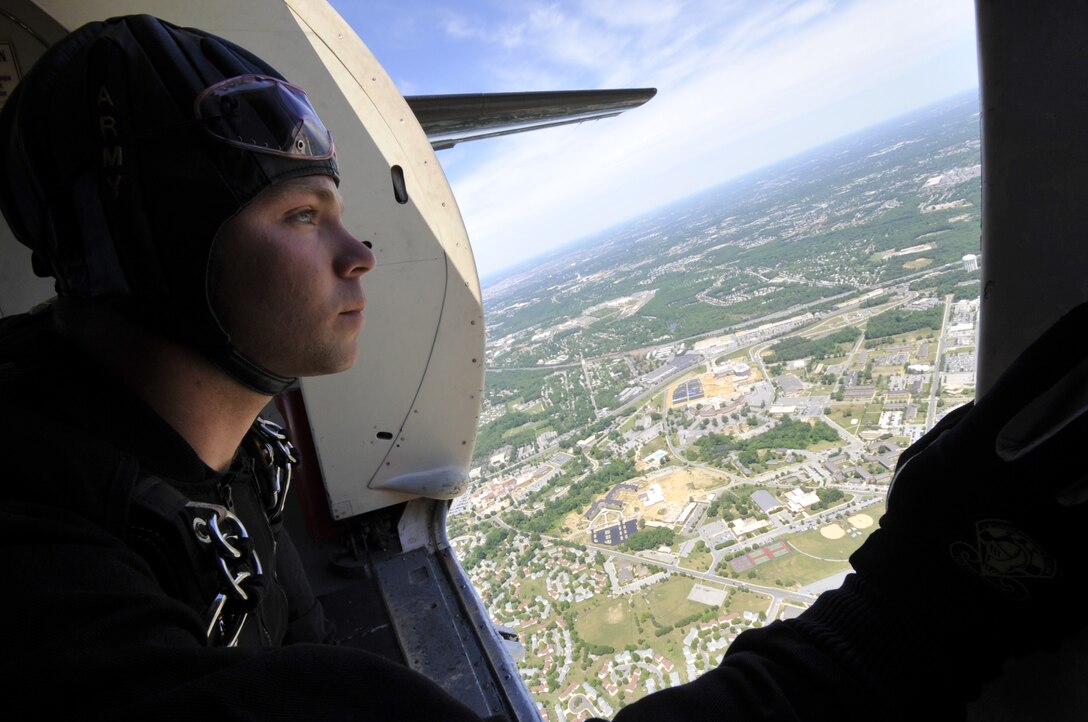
(741,85)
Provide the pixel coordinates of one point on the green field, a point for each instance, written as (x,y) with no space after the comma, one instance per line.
(657,444)
(611,623)
(537,408)
(802,569)
(798,568)
(741,601)
(615,622)
(838,415)
(819,390)
(816,544)
(902,339)
(699,559)
(668,601)
(532,588)
(618,623)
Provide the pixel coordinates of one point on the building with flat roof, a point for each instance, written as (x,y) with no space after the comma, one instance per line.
(798,500)
(739,527)
(766,501)
(501,456)
(790,384)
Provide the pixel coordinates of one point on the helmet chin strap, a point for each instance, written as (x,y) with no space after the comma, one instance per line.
(250,374)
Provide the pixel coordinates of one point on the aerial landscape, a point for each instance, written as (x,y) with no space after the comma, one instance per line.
(690,421)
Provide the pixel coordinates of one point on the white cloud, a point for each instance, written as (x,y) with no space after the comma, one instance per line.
(739,86)
(634,13)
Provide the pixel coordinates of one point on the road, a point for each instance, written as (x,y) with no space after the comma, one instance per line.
(778,594)
(589,389)
(934,386)
(851,441)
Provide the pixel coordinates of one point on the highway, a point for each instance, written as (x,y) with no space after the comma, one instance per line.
(777,593)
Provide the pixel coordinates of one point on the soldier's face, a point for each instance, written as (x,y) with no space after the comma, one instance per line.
(286,279)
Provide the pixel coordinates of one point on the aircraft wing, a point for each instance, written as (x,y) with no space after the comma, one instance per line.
(452,119)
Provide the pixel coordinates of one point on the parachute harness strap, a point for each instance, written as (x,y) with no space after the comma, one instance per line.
(279,457)
(240,579)
(240,571)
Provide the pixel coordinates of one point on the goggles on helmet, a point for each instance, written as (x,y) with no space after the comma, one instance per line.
(264,114)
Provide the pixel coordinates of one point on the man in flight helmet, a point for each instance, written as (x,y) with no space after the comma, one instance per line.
(177,132)
(184,198)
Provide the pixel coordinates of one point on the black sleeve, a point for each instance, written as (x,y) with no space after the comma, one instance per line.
(306,621)
(851,656)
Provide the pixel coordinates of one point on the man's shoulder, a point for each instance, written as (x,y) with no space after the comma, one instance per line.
(32,382)
(49,459)
(28,345)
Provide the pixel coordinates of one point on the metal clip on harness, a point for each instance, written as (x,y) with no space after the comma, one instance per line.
(240,571)
(279,457)
(217,528)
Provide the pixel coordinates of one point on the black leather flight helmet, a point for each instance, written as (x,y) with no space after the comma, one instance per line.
(125,150)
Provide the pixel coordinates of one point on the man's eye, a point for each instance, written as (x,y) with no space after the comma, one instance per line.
(306,216)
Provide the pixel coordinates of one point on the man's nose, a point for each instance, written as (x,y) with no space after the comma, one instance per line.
(355,258)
